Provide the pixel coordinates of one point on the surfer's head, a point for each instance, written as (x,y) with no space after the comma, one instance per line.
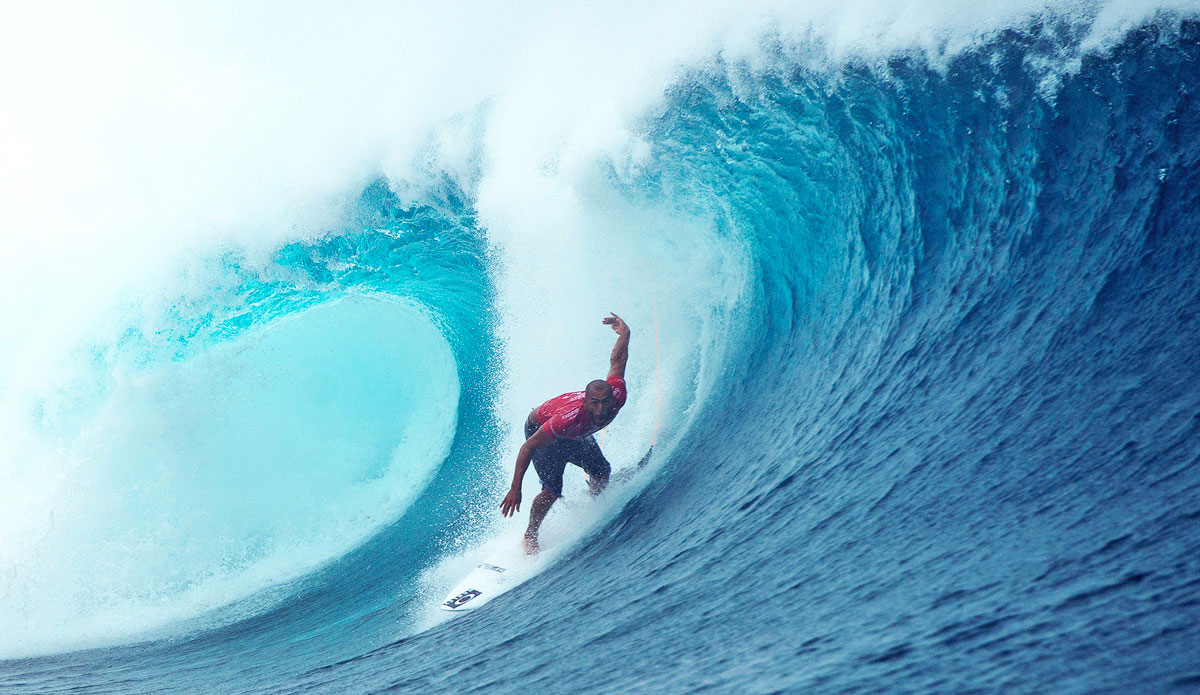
(599,401)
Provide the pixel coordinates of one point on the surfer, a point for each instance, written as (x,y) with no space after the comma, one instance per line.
(560,431)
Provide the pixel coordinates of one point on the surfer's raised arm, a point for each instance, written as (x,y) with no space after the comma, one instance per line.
(620,352)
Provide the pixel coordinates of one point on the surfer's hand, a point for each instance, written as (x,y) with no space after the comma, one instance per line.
(618,324)
(512,503)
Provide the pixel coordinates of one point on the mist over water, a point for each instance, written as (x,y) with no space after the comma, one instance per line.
(912,295)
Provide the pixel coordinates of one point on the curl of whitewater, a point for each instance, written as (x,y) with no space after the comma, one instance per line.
(942,435)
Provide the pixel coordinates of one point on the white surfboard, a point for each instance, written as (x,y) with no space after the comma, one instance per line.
(507,564)
(480,585)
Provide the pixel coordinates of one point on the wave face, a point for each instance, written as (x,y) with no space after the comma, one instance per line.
(916,342)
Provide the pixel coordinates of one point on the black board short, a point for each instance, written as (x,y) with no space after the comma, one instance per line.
(551,460)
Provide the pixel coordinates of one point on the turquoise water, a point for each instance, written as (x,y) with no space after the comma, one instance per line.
(914,344)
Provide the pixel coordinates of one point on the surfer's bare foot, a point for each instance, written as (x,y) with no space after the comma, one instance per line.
(531,545)
(597,483)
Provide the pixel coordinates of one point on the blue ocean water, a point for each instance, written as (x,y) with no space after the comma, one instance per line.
(945,438)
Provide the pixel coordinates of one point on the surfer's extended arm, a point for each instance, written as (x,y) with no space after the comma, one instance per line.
(620,352)
(512,501)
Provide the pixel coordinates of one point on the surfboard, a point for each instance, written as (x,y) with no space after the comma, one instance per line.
(507,565)
(481,584)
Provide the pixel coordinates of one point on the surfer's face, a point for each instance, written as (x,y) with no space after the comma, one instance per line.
(599,404)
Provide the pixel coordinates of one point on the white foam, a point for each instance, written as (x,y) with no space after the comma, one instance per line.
(135,134)
(203,481)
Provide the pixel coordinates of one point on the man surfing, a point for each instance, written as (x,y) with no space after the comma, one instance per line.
(560,431)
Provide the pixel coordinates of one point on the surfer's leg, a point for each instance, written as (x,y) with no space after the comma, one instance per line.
(549,462)
(537,514)
(597,483)
(589,457)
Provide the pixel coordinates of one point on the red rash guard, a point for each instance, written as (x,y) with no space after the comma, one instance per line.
(565,417)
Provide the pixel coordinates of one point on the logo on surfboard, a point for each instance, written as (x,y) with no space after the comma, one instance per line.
(461,599)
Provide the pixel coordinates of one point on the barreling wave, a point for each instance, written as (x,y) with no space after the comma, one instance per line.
(924,329)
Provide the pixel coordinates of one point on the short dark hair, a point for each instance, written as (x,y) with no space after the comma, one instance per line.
(600,385)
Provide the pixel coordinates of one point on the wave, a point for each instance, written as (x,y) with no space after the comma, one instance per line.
(922,312)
